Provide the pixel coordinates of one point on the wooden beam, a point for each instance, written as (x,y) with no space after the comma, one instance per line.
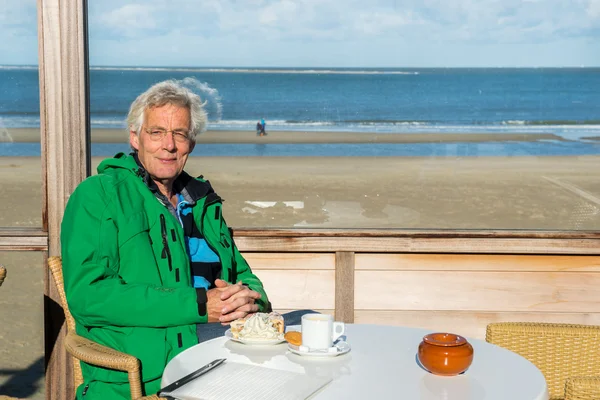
(477,291)
(344,286)
(63,107)
(65,154)
(394,244)
(297,261)
(476,262)
(19,239)
(412,233)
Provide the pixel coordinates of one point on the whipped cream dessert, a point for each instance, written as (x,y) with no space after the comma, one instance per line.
(259,326)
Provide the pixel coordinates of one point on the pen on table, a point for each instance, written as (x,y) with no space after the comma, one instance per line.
(188,378)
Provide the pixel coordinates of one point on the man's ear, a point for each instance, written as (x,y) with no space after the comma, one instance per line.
(192,144)
(134,139)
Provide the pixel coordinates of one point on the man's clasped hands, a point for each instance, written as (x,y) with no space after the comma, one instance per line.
(228,302)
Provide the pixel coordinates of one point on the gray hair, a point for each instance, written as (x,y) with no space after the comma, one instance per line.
(168,92)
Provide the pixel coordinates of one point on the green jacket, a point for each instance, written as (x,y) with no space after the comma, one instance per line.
(127,276)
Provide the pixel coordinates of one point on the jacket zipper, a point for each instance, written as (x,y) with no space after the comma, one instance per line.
(233,261)
(227,245)
(166,251)
(210,200)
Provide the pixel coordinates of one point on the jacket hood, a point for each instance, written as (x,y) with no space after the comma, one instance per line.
(120,160)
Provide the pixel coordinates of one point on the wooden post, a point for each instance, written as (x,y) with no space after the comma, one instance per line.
(65,154)
(344,286)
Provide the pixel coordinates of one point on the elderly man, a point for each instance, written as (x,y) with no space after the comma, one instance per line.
(150,267)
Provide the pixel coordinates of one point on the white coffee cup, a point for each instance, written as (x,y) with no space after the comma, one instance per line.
(319,331)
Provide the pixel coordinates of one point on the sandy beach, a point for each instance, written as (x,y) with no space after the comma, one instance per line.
(379,192)
(435,192)
(554,192)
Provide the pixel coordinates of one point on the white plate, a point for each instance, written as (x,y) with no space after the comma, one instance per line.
(341,347)
(229,335)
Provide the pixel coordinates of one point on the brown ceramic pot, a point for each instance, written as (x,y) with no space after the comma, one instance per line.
(445,354)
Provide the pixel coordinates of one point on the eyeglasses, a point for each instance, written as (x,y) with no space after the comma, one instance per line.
(158,134)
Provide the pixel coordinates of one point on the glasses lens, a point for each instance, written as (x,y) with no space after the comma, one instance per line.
(180,136)
(156,134)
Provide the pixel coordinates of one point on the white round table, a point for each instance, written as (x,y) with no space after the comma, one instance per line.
(381,364)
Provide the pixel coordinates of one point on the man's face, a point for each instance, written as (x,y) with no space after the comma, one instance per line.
(163,156)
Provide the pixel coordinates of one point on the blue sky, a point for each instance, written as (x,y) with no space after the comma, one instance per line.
(325,33)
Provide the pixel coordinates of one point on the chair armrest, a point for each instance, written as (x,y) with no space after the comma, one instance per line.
(582,388)
(93,353)
(96,354)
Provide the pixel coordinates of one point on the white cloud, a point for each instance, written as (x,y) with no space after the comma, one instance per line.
(463,20)
(18,18)
(18,32)
(208,31)
(278,12)
(593,10)
(381,23)
(131,21)
(229,32)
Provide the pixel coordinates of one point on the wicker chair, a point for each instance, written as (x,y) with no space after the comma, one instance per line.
(2,274)
(568,355)
(88,351)
(582,389)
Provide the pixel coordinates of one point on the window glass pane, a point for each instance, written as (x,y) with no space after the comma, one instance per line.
(418,115)
(22,325)
(20,162)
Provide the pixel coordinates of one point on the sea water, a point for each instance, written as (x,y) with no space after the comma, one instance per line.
(561,101)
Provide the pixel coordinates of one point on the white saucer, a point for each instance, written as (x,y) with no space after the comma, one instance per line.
(338,349)
(229,335)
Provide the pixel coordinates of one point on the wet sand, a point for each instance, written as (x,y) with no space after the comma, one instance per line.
(31,135)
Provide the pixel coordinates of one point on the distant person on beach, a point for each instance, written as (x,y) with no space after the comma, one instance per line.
(259,128)
(264,127)
(150,266)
